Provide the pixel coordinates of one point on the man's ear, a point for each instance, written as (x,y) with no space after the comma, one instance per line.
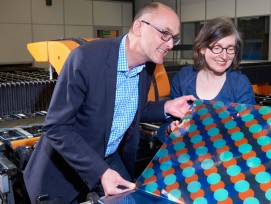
(137,28)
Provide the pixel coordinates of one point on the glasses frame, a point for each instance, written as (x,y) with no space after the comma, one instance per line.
(222,48)
(176,38)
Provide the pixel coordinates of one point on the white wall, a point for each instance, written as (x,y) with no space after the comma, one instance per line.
(252,8)
(192,10)
(15,30)
(25,21)
(216,8)
(198,10)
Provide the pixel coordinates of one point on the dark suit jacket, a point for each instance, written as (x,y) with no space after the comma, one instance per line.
(78,123)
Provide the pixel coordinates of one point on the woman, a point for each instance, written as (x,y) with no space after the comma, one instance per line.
(217,52)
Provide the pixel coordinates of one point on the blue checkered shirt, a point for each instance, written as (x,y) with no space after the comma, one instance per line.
(126,102)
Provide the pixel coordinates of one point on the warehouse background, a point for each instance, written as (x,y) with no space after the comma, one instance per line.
(24,21)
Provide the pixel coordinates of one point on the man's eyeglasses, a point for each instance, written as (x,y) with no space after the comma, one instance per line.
(166,36)
(218,49)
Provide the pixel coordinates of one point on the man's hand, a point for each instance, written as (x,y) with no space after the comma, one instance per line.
(111,180)
(179,106)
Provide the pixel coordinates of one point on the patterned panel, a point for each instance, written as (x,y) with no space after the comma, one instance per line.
(219,154)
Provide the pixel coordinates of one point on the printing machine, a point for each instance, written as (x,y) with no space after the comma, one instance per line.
(25,93)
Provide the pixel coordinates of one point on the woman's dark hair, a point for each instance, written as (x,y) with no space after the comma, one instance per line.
(213,31)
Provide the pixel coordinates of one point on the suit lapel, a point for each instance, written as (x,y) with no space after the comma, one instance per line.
(110,86)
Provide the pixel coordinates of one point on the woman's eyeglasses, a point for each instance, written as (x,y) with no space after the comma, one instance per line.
(218,49)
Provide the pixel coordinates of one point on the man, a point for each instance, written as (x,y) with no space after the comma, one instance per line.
(91,131)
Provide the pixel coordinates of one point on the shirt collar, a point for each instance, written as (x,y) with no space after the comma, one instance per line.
(122,62)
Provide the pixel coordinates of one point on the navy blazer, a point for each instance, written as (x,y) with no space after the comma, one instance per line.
(78,124)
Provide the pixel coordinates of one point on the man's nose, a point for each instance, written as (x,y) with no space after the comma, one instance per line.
(170,43)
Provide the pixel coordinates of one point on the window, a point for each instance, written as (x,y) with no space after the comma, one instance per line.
(255,34)
(189,32)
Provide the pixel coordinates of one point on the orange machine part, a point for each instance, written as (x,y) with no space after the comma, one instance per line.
(162,83)
(55,52)
(39,50)
(262,89)
(24,142)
